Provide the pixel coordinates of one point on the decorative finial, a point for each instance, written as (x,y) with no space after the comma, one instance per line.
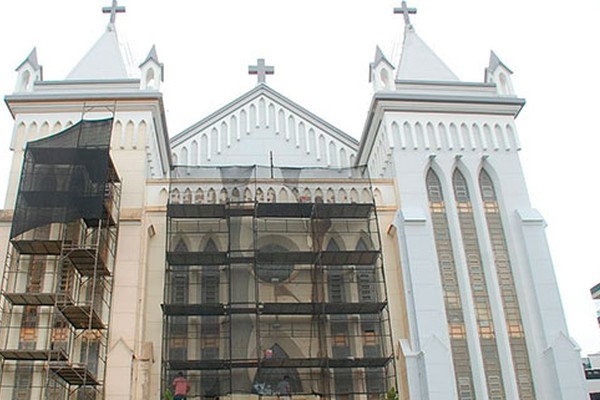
(261,70)
(113,10)
(406,11)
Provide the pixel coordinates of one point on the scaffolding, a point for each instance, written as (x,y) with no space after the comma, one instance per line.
(57,280)
(275,272)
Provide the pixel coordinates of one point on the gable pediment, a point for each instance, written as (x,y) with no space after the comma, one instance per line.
(262,121)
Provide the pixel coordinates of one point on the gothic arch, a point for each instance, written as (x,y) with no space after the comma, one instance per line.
(377,196)
(333,154)
(194,153)
(500,134)
(281,126)
(443,135)
(490,138)
(406,137)
(262,113)
(480,143)
(422,141)
(225,137)
(466,135)
(129,132)
(253,121)
(342,196)
(272,120)
(187,196)
(163,196)
(199,196)
(211,196)
(455,139)
(234,127)
(118,135)
(244,122)
(283,195)
(354,197)
(44,129)
(271,195)
(31,133)
(175,197)
(512,137)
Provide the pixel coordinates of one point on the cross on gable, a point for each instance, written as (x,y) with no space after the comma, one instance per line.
(406,11)
(113,10)
(261,70)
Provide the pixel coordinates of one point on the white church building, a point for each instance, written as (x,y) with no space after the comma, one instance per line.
(409,260)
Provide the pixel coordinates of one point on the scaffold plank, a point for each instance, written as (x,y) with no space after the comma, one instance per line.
(34,355)
(74,374)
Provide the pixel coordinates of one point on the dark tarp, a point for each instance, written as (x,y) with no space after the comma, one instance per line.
(64,177)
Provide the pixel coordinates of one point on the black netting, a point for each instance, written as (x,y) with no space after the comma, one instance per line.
(64,177)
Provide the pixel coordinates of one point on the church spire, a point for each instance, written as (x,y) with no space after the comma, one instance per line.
(417,61)
(29,71)
(152,71)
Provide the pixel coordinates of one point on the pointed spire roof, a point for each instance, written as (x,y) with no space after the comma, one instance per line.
(419,63)
(152,56)
(32,60)
(495,62)
(105,60)
(379,57)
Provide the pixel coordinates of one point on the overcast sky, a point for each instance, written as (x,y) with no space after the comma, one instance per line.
(321,50)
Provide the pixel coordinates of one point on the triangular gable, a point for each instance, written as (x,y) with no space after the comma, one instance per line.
(419,63)
(245,131)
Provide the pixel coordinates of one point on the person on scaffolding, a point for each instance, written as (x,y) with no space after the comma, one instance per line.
(181,386)
(284,389)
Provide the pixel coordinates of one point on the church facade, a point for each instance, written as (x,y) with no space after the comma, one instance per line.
(408,260)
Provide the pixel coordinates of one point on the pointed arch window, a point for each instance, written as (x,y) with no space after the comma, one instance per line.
(452,295)
(508,292)
(479,290)
(179,294)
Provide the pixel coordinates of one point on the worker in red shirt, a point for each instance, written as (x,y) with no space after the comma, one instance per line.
(181,386)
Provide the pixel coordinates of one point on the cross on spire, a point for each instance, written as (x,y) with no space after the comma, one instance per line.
(261,70)
(406,11)
(113,10)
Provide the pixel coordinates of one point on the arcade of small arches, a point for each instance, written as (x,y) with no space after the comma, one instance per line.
(453,136)
(212,195)
(424,136)
(126,134)
(259,115)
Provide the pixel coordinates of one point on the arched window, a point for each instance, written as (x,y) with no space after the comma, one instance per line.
(210,325)
(24,81)
(449,279)
(477,279)
(150,79)
(508,291)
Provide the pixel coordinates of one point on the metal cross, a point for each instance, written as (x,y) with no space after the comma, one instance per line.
(406,11)
(113,10)
(261,70)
